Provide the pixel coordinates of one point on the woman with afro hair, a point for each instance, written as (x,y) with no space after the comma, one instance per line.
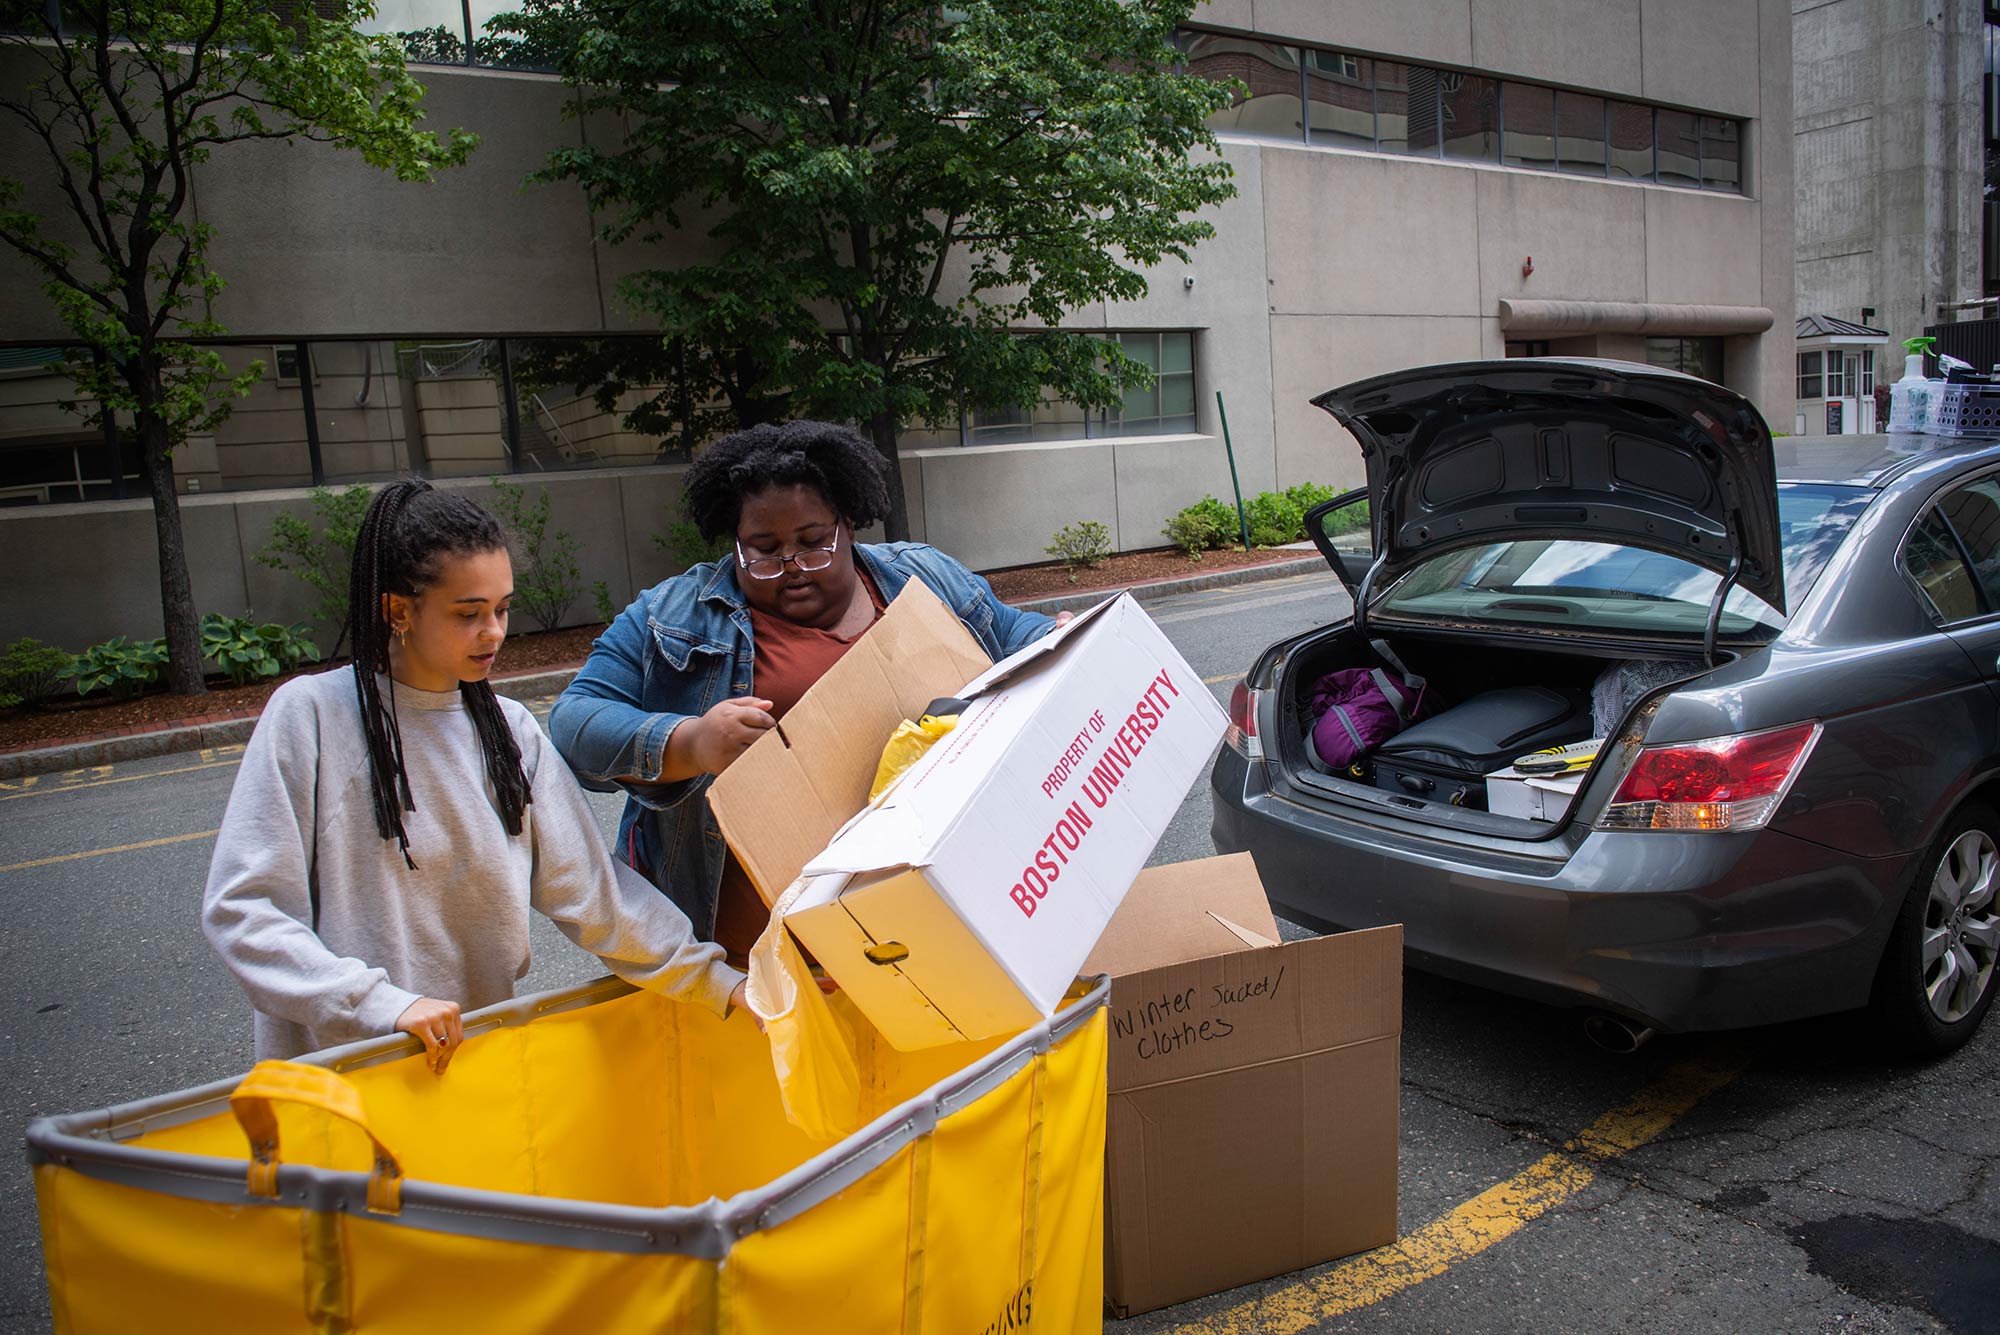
(699,666)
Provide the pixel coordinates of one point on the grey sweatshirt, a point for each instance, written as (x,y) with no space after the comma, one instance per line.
(455,929)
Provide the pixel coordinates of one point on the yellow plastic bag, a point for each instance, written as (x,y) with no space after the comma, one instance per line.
(906,746)
(812,1050)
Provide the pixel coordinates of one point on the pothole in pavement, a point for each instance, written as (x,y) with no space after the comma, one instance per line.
(1937,1268)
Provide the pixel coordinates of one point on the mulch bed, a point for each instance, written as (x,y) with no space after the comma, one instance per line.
(71,719)
(1025,583)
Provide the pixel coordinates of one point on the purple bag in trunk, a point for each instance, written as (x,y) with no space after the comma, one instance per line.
(1355,710)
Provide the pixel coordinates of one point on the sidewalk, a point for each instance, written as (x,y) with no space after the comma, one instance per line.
(233,729)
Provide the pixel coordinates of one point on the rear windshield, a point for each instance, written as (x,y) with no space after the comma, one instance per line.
(1606,586)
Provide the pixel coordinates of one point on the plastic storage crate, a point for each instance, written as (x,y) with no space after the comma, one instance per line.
(598,1159)
(1967,410)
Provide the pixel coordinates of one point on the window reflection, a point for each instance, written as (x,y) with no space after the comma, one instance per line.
(1406,109)
(1471,117)
(1679,147)
(1529,114)
(1631,134)
(1270,107)
(1579,132)
(1340,99)
(1721,151)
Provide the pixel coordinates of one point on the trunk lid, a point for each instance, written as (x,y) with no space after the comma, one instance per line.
(1470,453)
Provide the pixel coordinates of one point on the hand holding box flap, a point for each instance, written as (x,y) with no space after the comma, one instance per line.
(785,797)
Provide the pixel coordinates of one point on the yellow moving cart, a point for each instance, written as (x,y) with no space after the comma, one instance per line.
(597,1159)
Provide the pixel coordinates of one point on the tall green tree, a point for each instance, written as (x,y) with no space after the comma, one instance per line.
(891,195)
(117,105)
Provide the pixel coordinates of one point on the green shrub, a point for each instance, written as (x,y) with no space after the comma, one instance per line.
(1305,495)
(1274,520)
(1080,546)
(548,579)
(1347,519)
(323,559)
(247,651)
(607,611)
(1193,532)
(31,671)
(685,547)
(121,666)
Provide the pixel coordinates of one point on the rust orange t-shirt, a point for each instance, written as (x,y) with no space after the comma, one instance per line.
(787,659)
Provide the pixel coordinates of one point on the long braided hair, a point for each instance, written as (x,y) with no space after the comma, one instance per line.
(409,529)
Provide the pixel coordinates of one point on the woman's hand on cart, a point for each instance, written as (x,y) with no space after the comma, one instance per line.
(437,1024)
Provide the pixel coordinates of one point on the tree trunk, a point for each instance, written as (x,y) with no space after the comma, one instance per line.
(184,675)
(896,524)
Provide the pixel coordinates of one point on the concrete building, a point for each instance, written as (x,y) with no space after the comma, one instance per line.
(1894,117)
(1417,183)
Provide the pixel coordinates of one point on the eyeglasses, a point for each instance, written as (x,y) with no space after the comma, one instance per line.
(770,567)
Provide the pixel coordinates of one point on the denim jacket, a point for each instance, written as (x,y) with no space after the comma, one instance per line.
(684,646)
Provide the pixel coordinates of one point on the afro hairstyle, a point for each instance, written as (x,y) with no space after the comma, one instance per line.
(831,459)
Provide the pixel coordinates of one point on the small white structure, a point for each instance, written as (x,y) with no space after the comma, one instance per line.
(1837,360)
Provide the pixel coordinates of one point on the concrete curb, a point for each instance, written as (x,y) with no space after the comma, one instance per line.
(535,685)
(1162,588)
(198,736)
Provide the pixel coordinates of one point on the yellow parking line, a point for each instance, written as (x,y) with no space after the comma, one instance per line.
(1491,1217)
(1227,676)
(100,852)
(128,778)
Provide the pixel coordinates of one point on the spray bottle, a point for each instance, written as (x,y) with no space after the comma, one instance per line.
(1912,399)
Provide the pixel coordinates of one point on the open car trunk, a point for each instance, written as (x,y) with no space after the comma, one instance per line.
(1486,702)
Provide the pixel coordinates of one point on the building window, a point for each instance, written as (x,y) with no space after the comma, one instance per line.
(1868,373)
(1679,143)
(1836,376)
(1406,109)
(1580,132)
(1629,127)
(1537,347)
(1268,105)
(1528,120)
(1809,375)
(1340,100)
(1692,356)
(1166,407)
(285,364)
(1471,110)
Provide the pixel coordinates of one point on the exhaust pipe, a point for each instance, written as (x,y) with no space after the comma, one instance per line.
(1615,1033)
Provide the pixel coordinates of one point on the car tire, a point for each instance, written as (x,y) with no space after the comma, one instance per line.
(1938,976)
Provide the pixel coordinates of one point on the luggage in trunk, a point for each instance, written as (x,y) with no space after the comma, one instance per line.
(1446,758)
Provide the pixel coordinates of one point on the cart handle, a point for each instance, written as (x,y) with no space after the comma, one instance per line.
(314,1087)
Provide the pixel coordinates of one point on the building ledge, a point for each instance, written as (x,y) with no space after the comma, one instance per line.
(1630,317)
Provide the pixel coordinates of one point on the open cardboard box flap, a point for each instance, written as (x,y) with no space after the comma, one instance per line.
(785,797)
(1186,911)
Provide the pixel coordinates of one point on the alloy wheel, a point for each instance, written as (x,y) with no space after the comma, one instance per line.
(1961,934)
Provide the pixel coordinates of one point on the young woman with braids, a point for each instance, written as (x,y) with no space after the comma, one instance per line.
(393,822)
(701,665)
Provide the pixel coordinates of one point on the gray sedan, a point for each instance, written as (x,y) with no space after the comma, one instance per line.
(1762,679)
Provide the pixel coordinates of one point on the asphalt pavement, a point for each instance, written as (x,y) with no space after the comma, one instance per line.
(1777,1179)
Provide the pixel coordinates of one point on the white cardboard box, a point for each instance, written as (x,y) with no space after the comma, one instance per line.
(961,904)
(1539,798)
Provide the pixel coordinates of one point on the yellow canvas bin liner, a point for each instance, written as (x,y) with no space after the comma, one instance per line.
(594,1159)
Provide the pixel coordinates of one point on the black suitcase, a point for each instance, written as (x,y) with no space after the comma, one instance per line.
(1447,758)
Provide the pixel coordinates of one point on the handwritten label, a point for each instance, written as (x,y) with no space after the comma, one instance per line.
(1174,1022)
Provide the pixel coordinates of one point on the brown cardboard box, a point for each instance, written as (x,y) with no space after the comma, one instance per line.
(1253,1086)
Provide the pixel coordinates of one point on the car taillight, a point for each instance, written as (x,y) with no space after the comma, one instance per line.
(1722,783)
(1242,734)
